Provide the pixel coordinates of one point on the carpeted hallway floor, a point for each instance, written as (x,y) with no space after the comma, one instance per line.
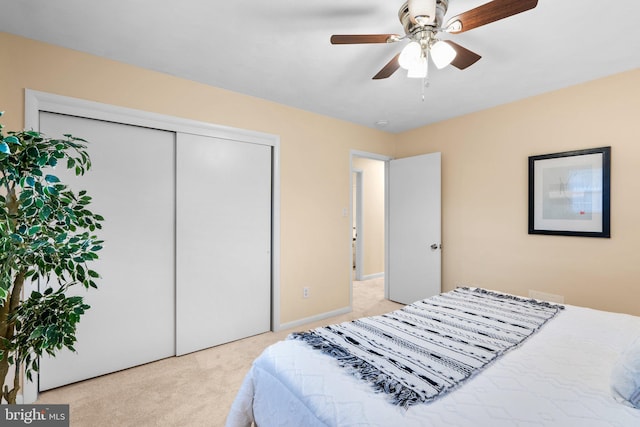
(192,390)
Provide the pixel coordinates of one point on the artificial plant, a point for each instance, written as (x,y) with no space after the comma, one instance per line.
(46,235)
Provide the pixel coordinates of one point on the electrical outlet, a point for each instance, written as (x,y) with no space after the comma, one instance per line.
(305,292)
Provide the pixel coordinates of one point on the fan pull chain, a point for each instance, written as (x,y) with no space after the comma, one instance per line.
(425,79)
(425,84)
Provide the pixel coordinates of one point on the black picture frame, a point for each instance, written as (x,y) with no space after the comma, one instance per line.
(570,193)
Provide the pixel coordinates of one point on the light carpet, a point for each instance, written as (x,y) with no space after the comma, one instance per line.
(192,390)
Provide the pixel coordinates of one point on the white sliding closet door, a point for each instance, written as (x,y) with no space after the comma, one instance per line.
(223,241)
(132,318)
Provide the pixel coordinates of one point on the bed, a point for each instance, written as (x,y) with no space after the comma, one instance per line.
(576,367)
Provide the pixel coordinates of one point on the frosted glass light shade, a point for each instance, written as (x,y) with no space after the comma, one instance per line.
(410,55)
(419,69)
(442,54)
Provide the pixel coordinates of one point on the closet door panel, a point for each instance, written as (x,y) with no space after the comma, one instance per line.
(132,318)
(223,241)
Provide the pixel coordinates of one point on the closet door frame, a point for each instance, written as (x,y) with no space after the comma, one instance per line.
(36,101)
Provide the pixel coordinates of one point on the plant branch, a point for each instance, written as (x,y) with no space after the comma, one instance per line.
(10,395)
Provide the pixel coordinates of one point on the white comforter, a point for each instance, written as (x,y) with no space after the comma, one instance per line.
(558,377)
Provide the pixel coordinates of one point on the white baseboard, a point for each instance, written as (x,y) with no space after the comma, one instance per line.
(322,316)
(373,276)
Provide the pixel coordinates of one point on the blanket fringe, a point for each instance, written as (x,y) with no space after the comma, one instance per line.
(513,297)
(398,393)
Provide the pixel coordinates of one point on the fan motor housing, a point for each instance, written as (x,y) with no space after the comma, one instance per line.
(411,28)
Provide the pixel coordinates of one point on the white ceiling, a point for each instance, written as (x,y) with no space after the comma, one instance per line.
(279,50)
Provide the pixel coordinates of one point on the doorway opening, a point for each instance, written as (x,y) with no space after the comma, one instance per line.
(356,224)
(368,216)
(412,226)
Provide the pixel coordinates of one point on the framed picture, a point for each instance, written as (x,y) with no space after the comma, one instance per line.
(569,193)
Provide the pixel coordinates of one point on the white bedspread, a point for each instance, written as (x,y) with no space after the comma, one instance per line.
(559,377)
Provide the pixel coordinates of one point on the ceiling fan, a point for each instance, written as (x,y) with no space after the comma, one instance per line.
(422,20)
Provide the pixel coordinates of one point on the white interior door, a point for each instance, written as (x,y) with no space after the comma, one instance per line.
(223,267)
(131,320)
(414,234)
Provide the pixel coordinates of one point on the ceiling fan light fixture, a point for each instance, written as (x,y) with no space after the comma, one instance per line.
(410,55)
(442,54)
(419,69)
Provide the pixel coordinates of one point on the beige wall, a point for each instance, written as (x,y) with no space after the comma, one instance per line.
(315,170)
(484,161)
(484,188)
(373,215)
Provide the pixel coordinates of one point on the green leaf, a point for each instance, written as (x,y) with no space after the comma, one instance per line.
(51,179)
(11,140)
(27,202)
(34,152)
(45,213)
(75,300)
(38,188)
(37,333)
(51,190)
(4,148)
(35,229)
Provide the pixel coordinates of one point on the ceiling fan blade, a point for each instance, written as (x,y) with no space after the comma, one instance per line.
(364,38)
(388,69)
(464,57)
(487,13)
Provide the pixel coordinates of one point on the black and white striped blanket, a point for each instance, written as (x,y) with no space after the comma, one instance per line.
(426,349)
